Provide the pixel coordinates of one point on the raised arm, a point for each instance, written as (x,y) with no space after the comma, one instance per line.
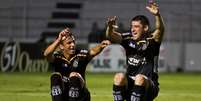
(111,34)
(98,48)
(159,25)
(48,53)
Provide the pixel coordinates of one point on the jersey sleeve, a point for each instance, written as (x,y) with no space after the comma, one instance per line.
(84,52)
(57,54)
(125,38)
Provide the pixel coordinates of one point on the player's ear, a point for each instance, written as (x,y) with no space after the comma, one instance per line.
(146,28)
(61,46)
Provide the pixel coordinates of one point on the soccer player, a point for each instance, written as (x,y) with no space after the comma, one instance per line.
(140,82)
(69,64)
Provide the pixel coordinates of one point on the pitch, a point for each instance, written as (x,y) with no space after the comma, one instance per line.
(35,87)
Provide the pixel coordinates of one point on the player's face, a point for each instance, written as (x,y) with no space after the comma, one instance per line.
(69,45)
(137,29)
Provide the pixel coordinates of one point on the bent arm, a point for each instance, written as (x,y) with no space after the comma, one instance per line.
(97,49)
(159,29)
(111,34)
(157,35)
(48,53)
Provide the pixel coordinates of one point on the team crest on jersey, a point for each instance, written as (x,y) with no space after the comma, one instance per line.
(75,63)
(144,46)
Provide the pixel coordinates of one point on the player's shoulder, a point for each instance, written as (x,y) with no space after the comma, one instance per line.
(84,51)
(58,54)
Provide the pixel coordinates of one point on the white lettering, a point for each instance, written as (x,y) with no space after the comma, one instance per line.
(12,60)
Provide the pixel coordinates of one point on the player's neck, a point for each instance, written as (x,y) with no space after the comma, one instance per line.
(68,56)
(142,37)
(138,39)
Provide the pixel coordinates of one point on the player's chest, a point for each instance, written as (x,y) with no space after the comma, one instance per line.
(137,46)
(73,65)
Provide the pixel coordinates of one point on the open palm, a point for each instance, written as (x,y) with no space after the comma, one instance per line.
(111,21)
(153,8)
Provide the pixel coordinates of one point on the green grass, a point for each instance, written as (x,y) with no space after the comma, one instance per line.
(35,87)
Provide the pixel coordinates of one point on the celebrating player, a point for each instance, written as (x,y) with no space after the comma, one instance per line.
(69,64)
(140,82)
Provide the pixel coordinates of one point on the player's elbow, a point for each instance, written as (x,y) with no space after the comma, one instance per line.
(158,35)
(46,54)
(94,53)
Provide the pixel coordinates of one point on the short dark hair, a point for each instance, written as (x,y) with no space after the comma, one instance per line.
(143,19)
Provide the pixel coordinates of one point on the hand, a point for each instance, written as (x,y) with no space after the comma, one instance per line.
(105,43)
(153,8)
(111,21)
(64,34)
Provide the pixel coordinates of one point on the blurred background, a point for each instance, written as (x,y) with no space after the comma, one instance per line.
(28,26)
(40,21)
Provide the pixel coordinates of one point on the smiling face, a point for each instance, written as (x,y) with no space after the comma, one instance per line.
(68,45)
(139,26)
(136,29)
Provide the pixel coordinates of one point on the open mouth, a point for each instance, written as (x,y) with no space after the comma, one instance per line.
(72,49)
(134,34)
